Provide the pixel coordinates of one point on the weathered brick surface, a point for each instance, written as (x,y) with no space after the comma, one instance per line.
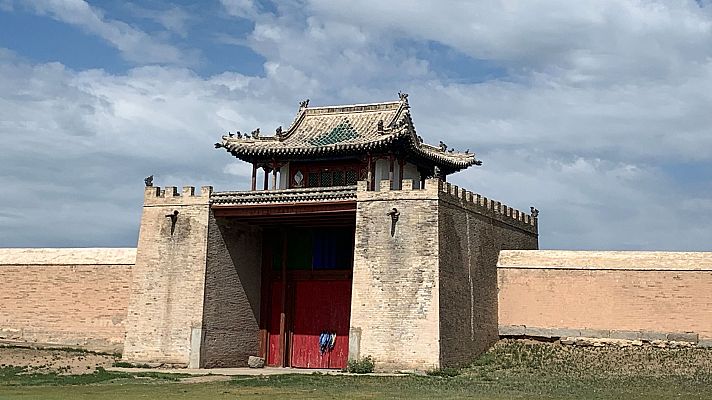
(470,241)
(426,296)
(166,302)
(232,294)
(66,297)
(394,306)
(614,291)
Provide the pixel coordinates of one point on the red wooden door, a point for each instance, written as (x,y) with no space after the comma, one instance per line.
(274,355)
(321,306)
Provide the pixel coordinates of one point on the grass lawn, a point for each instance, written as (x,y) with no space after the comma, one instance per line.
(510,370)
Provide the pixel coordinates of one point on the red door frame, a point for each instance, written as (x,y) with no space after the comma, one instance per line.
(272,326)
(281,330)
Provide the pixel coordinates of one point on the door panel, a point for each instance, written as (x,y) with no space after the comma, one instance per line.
(319,306)
(273,352)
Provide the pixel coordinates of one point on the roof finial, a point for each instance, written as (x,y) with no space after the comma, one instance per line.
(403,97)
(303,104)
(443,146)
(256,133)
(148,181)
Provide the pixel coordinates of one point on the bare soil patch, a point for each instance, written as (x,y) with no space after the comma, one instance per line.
(60,361)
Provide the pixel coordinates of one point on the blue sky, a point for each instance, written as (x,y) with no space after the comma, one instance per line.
(597,113)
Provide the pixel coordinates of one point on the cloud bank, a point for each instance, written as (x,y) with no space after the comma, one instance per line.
(597,113)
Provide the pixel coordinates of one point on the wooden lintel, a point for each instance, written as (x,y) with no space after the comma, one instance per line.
(283,209)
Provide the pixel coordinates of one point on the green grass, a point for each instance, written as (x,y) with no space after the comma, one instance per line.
(511,370)
(22,376)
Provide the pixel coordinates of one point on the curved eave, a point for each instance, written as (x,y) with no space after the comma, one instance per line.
(251,151)
(454,163)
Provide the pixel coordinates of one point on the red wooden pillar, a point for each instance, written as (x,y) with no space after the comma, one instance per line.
(254,177)
(283,310)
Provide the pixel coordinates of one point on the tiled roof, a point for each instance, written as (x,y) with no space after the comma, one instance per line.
(350,129)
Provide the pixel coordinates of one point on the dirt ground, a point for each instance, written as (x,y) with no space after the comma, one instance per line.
(65,362)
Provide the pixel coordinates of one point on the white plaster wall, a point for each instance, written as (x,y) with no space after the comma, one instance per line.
(382,168)
(410,171)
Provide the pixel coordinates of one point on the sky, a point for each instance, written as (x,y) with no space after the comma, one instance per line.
(598,113)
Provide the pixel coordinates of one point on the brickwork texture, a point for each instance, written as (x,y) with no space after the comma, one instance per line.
(65,297)
(424,288)
(394,304)
(590,293)
(165,316)
(471,238)
(433,287)
(231,313)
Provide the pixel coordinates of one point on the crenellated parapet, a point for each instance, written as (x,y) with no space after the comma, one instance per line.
(453,194)
(491,208)
(169,195)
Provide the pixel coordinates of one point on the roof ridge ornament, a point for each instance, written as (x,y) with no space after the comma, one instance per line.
(303,104)
(403,98)
(279,133)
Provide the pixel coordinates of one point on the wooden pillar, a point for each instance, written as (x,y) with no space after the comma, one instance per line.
(369,178)
(266,181)
(401,163)
(254,177)
(274,175)
(283,309)
(390,171)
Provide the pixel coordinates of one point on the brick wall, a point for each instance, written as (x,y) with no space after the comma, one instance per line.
(165,317)
(394,306)
(232,294)
(425,296)
(471,236)
(65,297)
(605,294)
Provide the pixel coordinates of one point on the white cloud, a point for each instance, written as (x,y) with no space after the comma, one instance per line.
(600,98)
(241,8)
(172,18)
(134,44)
(83,141)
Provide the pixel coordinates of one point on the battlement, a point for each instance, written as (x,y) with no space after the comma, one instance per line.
(454,194)
(155,195)
(492,208)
